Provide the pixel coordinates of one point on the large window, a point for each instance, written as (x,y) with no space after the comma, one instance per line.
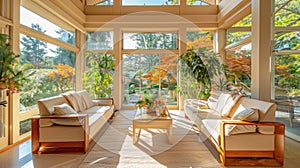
(53,67)
(99,41)
(154,74)
(34,21)
(149,41)
(196,39)
(98,75)
(287,49)
(149,66)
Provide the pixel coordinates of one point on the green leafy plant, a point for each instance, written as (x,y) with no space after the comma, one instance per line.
(11,72)
(98,80)
(202,65)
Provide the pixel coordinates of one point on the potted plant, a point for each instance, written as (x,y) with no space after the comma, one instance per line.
(11,72)
(202,65)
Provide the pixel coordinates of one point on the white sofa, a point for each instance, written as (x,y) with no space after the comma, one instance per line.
(239,141)
(71,131)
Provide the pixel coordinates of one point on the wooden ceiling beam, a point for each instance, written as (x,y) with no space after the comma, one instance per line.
(60,13)
(231,11)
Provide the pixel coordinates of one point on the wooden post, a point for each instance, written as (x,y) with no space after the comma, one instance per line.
(80,60)
(261,50)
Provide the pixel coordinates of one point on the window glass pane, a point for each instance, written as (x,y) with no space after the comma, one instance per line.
(99,41)
(98,77)
(40,24)
(154,74)
(287,75)
(238,68)
(54,70)
(287,40)
(233,37)
(149,2)
(99,2)
(200,2)
(245,22)
(288,16)
(25,126)
(149,41)
(200,40)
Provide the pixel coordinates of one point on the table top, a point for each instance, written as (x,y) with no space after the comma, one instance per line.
(151,114)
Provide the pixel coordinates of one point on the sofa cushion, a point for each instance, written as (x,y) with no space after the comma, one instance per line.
(221,102)
(76,101)
(248,114)
(68,122)
(95,113)
(266,110)
(63,109)
(86,98)
(232,129)
(230,103)
(45,122)
(46,105)
(103,102)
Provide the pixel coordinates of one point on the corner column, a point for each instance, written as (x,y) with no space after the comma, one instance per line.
(80,60)
(220,44)
(261,50)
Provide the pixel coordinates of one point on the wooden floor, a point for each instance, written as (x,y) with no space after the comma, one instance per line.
(186,151)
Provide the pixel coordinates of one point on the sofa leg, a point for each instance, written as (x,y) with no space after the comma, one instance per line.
(35,143)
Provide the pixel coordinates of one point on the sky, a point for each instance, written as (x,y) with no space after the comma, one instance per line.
(27,18)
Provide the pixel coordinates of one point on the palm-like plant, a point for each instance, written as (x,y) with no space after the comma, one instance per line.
(11,73)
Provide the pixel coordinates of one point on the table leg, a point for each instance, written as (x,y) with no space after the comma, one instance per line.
(170,135)
(133,135)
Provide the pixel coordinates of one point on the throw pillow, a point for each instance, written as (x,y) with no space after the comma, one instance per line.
(71,100)
(248,114)
(221,102)
(87,99)
(63,109)
(76,101)
(80,102)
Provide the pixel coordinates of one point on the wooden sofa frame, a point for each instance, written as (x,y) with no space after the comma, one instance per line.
(83,146)
(245,158)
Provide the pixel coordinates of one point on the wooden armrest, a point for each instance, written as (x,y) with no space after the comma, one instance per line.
(67,116)
(239,122)
(105,99)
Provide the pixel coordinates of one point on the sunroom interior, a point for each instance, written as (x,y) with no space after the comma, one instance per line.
(257,40)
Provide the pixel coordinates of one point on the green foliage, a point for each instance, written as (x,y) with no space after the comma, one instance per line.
(98,80)
(63,55)
(34,50)
(12,74)
(203,66)
(155,40)
(53,74)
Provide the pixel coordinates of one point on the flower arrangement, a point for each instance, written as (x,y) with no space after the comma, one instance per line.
(145,101)
(148,101)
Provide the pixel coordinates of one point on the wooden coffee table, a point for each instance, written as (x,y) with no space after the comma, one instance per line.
(147,120)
